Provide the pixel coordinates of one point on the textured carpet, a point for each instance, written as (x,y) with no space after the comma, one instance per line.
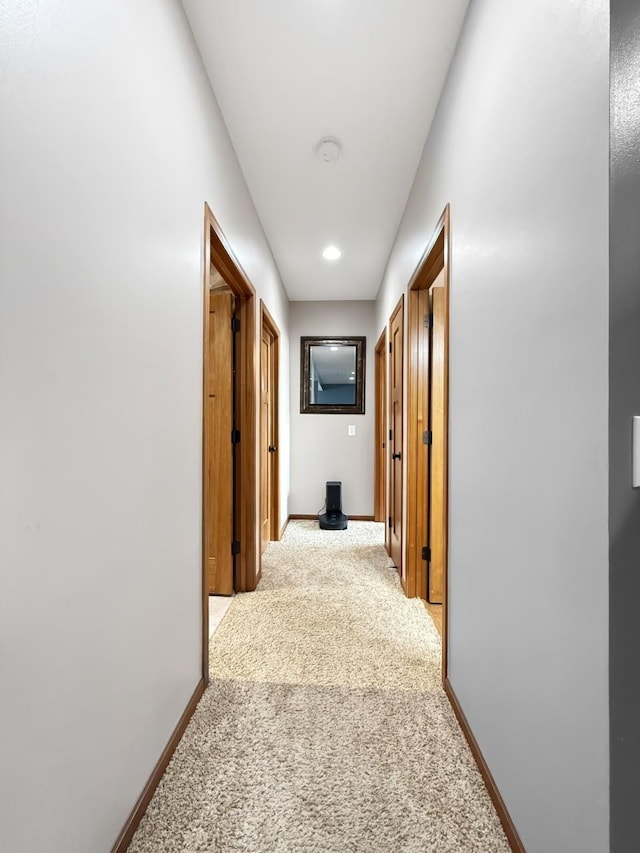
(325,728)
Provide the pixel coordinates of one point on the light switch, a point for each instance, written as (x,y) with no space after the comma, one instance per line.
(352,429)
(636,452)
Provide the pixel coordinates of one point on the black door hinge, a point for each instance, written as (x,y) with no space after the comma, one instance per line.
(390,435)
(389,521)
(235,324)
(426,553)
(427,437)
(235,548)
(390,347)
(235,436)
(428,321)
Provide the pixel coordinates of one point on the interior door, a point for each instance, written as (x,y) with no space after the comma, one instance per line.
(417,448)
(218,528)
(395,434)
(381,430)
(267,436)
(437,502)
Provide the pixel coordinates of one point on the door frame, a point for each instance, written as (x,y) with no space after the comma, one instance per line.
(218,252)
(380,454)
(267,322)
(434,260)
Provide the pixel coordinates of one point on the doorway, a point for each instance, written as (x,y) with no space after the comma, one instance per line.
(380,472)
(229,459)
(396,437)
(428,428)
(269,428)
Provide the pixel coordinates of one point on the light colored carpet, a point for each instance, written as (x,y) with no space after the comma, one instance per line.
(325,728)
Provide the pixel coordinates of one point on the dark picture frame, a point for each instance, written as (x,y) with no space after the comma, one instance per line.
(306,406)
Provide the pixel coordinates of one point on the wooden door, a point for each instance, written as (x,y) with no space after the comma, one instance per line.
(395,434)
(218,449)
(380,478)
(417,449)
(268,446)
(437,502)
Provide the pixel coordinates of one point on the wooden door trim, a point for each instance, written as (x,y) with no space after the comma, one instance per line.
(380,455)
(218,253)
(434,260)
(267,322)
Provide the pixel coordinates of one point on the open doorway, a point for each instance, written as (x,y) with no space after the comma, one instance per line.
(428,429)
(229,464)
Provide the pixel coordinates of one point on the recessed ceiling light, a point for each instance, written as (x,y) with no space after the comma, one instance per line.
(352,378)
(328,149)
(331,253)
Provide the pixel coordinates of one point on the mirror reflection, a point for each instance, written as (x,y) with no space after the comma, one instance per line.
(332,375)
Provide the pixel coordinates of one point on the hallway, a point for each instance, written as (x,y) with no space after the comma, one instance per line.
(326,163)
(325,727)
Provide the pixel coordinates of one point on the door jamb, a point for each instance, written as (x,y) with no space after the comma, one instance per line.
(267,322)
(218,252)
(435,258)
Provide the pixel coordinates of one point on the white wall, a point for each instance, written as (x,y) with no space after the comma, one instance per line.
(321,449)
(111,142)
(519,148)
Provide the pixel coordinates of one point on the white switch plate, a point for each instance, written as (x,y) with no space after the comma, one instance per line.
(636,452)
(352,429)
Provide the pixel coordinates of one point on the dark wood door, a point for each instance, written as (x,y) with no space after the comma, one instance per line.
(395,436)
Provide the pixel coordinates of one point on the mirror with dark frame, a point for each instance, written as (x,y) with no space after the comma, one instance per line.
(332,375)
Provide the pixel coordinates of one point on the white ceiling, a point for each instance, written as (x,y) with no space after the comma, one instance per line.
(287,73)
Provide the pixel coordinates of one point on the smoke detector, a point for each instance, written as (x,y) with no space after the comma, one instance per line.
(328,149)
